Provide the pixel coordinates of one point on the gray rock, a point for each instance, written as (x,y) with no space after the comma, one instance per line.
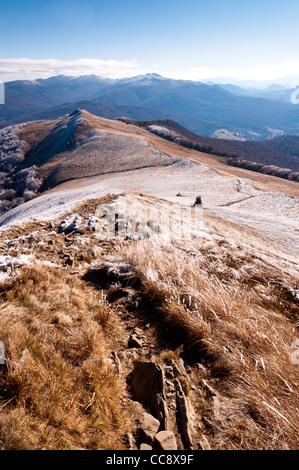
(147,427)
(166,440)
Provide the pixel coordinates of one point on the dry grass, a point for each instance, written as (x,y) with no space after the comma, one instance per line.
(243,340)
(59,390)
(230,306)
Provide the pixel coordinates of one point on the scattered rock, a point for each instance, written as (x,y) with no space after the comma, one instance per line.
(166,440)
(148,385)
(147,427)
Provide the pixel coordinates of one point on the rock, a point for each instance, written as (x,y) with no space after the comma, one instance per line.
(166,440)
(169,373)
(112,271)
(185,415)
(145,447)
(147,427)
(148,385)
(135,342)
(177,370)
(71,224)
(137,408)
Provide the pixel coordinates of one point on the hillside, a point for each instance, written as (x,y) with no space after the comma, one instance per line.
(282,152)
(131,317)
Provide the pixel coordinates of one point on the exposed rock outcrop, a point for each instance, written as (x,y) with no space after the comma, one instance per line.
(148,385)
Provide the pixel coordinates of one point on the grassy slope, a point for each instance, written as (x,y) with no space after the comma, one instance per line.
(224,307)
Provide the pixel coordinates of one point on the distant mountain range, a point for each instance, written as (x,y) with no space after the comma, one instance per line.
(274,92)
(210,110)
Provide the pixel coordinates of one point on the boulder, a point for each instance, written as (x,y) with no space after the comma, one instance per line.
(147,427)
(166,440)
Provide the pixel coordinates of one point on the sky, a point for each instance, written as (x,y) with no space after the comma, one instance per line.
(223,41)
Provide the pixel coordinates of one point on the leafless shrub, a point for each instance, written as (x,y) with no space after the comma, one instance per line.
(273,170)
(18,184)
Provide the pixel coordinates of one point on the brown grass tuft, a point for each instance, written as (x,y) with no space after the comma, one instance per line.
(59,391)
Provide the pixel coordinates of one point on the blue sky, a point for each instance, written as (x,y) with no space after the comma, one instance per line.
(182,39)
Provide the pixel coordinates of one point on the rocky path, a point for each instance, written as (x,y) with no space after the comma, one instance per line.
(162,388)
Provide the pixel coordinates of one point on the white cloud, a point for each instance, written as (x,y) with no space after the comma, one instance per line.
(29,69)
(267,72)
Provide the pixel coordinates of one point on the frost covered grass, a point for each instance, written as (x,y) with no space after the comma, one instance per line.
(230,306)
(241,327)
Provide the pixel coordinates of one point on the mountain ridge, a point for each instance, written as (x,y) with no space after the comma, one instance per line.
(204,109)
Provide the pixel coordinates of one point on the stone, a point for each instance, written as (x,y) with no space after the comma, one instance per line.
(145,447)
(166,440)
(113,271)
(135,342)
(148,386)
(177,371)
(185,415)
(147,427)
